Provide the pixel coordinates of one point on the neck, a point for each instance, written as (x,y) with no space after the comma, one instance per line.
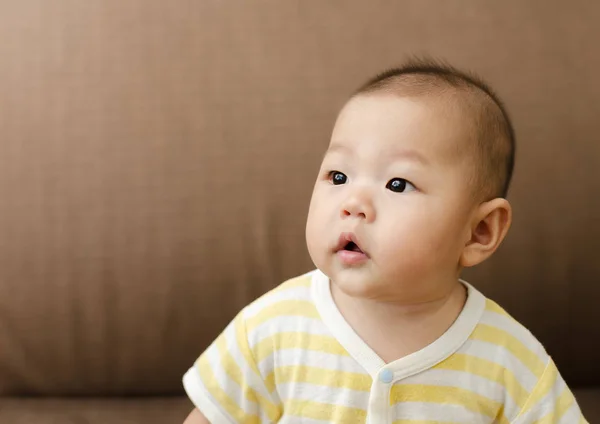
(395,330)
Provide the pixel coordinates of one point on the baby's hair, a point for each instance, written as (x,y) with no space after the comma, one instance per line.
(494,131)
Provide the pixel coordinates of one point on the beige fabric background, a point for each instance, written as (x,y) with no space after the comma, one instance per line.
(157,158)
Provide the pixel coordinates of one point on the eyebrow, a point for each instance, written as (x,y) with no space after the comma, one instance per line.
(335,148)
(408,154)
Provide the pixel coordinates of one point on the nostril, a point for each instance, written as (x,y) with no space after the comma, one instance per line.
(346,213)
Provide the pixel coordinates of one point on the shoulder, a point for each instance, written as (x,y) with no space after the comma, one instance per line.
(499,331)
(287,306)
(292,291)
(497,336)
(507,328)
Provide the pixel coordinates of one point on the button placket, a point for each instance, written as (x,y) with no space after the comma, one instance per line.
(379,405)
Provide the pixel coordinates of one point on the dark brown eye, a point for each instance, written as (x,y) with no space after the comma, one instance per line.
(337,178)
(399,185)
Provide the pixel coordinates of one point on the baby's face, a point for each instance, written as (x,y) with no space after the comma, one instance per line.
(391,207)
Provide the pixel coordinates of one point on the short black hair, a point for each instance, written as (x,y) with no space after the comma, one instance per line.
(494,131)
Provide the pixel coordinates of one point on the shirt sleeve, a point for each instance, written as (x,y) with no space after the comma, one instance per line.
(551,401)
(225,383)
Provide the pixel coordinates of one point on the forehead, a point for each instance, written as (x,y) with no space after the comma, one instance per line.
(433,128)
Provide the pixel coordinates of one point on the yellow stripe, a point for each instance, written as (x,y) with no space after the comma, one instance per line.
(222,397)
(302,281)
(302,308)
(488,370)
(561,406)
(448,395)
(297,340)
(325,412)
(489,334)
(321,377)
(492,306)
(233,371)
(564,402)
(542,388)
(242,342)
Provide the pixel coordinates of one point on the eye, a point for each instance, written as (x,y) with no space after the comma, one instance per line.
(337,177)
(399,185)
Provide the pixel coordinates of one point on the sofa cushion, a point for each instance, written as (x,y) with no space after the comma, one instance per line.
(94,411)
(589,401)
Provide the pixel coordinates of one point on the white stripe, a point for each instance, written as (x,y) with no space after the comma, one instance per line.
(503,357)
(324,394)
(310,358)
(466,381)
(293,293)
(286,324)
(439,412)
(509,325)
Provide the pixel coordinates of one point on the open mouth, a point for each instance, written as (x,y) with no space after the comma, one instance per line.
(352,247)
(348,249)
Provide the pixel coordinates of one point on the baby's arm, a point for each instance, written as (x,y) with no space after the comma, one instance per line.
(196,417)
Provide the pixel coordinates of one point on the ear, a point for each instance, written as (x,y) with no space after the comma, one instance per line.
(490,223)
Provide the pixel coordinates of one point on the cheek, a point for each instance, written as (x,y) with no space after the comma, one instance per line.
(419,235)
(314,224)
(319,210)
(311,232)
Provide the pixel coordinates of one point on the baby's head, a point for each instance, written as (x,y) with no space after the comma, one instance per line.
(412,188)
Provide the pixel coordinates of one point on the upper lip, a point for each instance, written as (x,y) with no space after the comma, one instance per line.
(346,238)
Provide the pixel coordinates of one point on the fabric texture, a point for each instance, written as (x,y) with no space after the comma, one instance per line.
(290,357)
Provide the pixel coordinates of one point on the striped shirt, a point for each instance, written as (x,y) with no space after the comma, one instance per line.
(290,357)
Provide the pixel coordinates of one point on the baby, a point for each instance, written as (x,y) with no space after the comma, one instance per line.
(412,189)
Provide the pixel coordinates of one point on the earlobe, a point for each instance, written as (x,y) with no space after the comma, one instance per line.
(489,226)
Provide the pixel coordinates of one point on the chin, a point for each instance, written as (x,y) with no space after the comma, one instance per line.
(354,283)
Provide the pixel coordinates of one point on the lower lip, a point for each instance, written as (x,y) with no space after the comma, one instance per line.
(349,257)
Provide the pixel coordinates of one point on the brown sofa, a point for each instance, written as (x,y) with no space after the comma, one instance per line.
(157,158)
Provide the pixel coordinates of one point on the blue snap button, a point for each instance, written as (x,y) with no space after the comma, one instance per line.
(386,376)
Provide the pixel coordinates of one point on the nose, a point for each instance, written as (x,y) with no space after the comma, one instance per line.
(358,204)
